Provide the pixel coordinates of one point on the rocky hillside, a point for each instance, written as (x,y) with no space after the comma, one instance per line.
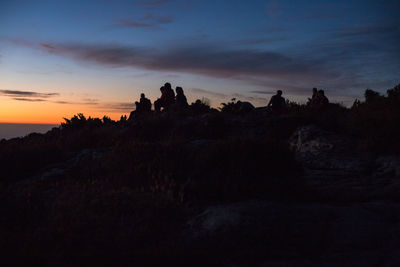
(208,188)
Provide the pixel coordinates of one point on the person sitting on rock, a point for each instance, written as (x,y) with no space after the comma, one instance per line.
(169,95)
(145,103)
(167,98)
(277,103)
(314,97)
(322,100)
(158,104)
(180,100)
(138,108)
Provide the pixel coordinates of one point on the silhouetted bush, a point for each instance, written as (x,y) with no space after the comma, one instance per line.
(377,121)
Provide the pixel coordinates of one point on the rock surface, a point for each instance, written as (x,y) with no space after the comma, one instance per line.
(308,234)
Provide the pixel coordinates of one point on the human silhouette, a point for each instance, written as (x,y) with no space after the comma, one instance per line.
(142,106)
(277,103)
(322,100)
(169,95)
(312,101)
(138,108)
(167,98)
(180,99)
(158,103)
(145,103)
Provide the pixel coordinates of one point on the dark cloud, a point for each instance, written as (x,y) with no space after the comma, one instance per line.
(133,24)
(29,99)
(62,102)
(274,9)
(148,21)
(159,19)
(206,60)
(262,40)
(343,59)
(26,94)
(152,3)
(368,30)
(264,92)
(91,100)
(47,46)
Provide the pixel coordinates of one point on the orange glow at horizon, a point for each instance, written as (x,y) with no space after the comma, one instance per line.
(48,113)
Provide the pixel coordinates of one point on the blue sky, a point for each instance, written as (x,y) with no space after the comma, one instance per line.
(98,56)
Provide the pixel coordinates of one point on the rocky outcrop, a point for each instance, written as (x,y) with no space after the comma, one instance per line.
(316,148)
(363,234)
(335,170)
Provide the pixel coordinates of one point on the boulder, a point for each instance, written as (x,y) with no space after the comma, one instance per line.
(316,148)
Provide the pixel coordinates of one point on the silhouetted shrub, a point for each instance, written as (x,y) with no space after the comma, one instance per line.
(377,121)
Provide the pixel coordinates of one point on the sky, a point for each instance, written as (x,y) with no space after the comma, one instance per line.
(60,58)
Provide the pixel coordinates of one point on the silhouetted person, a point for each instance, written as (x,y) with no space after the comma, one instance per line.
(180,99)
(169,95)
(158,104)
(322,100)
(138,107)
(167,98)
(145,103)
(314,97)
(277,102)
(372,97)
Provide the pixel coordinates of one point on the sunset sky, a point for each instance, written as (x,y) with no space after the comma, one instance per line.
(59,58)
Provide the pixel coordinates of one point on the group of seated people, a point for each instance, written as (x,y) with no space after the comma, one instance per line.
(167,100)
(177,100)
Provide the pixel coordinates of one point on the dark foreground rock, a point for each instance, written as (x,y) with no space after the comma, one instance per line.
(339,205)
(293,234)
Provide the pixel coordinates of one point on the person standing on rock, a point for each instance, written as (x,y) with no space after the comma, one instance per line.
(277,103)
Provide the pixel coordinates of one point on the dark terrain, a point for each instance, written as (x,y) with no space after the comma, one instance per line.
(208,188)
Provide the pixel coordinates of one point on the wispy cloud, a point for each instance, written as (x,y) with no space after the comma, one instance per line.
(148,21)
(152,3)
(117,106)
(133,24)
(273,9)
(26,94)
(263,92)
(368,30)
(31,96)
(261,40)
(208,93)
(29,99)
(159,19)
(63,102)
